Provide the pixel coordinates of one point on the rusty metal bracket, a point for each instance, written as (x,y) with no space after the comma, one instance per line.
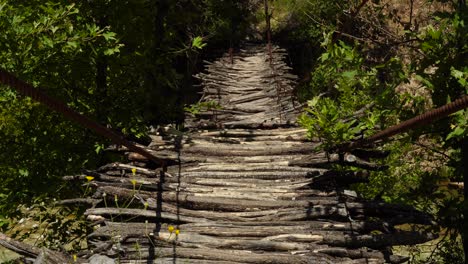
(38,95)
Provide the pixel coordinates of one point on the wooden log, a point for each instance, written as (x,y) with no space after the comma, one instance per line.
(332,212)
(90,201)
(128,169)
(193,201)
(332,179)
(398,214)
(247,151)
(243,229)
(170,260)
(191,240)
(186,260)
(126,213)
(285,186)
(47,256)
(186,237)
(247,138)
(238,143)
(351,253)
(379,241)
(348,159)
(296,209)
(361,253)
(40,255)
(242,256)
(125,180)
(253,133)
(235,145)
(252,216)
(19,247)
(265,175)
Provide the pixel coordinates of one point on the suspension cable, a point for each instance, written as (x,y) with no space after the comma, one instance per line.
(420,120)
(38,95)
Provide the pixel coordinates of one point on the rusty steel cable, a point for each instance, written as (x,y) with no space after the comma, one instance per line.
(270,57)
(40,96)
(420,120)
(268,30)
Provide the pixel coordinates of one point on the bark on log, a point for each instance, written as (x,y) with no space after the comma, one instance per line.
(243,229)
(347,159)
(241,256)
(40,255)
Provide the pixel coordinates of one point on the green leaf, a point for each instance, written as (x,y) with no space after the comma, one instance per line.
(313,102)
(109,35)
(325,56)
(54,29)
(457,132)
(47,42)
(112,51)
(426,46)
(23,172)
(424,81)
(460,76)
(72,44)
(456,73)
(349,74)
(98,148)
(197,42)
(435,34)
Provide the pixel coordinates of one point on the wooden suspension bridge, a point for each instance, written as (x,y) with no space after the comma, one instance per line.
(243,185)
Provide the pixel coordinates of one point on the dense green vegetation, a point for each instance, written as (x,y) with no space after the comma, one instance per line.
(127,65)
(378,68)
(364,66)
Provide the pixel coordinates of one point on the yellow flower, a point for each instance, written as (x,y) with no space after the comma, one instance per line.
(452,126)
(170,228)
(146,205)
(177,231)
(133,171)
(89,178)
(75,258)
(134,182)
(116,198)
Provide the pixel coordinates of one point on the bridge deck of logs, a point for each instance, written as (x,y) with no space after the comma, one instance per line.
(242,185)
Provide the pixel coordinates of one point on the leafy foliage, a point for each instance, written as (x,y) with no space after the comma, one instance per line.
(124,64)
(197,108)
(52,226)
(50,50)
(350,99)
(348,77)
(129,64)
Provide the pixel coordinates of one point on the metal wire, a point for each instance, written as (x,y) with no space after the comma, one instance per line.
(38,95)
(423,119)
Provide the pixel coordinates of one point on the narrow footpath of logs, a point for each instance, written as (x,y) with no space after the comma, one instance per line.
(244,185)
(249,206)
(252,91)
